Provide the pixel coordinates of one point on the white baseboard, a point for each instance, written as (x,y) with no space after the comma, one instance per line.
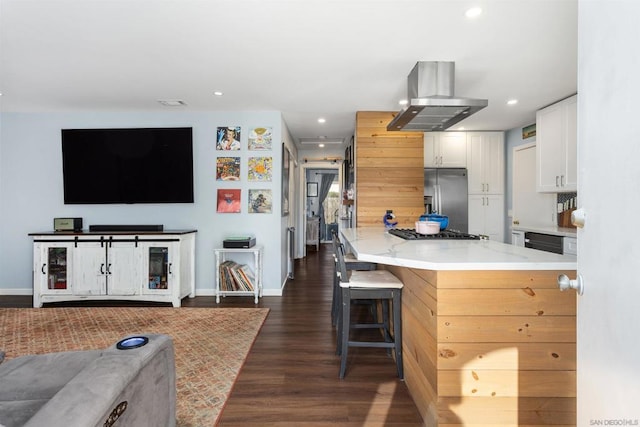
(265,292)
(16,291)
(199,292)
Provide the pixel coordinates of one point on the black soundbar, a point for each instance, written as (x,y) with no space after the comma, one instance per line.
(126,227)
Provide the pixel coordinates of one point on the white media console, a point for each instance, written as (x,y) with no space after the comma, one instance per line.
(146,266)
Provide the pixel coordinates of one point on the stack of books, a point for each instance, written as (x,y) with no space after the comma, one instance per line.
(236,277)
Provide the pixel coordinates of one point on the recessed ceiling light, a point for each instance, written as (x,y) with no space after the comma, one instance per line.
(512,102)
(322,120)
(172,102)
(474,12)
(321,145)
(217,93)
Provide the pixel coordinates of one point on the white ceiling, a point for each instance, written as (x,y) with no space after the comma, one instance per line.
(305,58)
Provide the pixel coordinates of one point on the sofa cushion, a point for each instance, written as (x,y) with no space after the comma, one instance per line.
(29,382)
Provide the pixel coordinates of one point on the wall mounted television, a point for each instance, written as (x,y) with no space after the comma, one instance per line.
(139,165)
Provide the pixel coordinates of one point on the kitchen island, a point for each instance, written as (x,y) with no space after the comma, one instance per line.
(488,338)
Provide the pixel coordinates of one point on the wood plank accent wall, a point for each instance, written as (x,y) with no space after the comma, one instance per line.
(489,348)
(389,171)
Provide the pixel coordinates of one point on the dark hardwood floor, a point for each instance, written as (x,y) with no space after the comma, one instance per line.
(290,377)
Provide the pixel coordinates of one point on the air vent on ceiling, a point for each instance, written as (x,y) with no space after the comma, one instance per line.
(172,102)
(317,140)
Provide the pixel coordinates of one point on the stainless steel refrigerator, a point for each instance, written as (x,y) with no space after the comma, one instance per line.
(445,192)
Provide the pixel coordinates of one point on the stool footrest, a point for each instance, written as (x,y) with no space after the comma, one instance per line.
(381,344)
(368,326)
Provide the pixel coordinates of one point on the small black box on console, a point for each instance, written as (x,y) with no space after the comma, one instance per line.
(239,242)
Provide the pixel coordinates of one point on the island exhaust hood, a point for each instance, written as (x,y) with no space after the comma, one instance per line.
(432,104)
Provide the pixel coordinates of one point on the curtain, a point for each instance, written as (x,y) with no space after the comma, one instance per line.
(325,186)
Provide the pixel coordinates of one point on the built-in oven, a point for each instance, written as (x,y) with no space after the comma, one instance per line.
(543,242)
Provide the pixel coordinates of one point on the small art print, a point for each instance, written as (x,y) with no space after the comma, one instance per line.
(260,168)
(228,169)
(260,201)
(228,200)
(260,138)
(228,138)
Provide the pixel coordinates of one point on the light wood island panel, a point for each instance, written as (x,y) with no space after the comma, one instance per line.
(489,348)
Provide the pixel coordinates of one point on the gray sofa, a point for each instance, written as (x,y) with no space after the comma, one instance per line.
(110,387)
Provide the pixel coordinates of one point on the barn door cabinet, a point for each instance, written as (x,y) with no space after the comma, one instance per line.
(556,139)
(90,266)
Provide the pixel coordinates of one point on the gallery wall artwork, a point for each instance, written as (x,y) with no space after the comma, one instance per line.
(228,169)
(260,138)
(260,201)
(228,138)
(260,168)
(229,200)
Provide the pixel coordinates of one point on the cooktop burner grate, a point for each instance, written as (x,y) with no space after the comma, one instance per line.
(409,234)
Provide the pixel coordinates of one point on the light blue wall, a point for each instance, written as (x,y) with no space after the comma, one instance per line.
(31,193)
(513,138)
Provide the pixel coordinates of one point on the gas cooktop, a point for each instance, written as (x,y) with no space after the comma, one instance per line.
(409,234)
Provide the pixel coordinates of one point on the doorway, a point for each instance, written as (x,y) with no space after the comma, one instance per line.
(322,189)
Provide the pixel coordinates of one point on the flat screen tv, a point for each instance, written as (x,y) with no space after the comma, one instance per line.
(141,165)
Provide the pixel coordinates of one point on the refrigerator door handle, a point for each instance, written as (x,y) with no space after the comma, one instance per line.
(439,190)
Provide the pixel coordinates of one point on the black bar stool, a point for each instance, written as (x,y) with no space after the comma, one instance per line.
(379,285)
(352,263)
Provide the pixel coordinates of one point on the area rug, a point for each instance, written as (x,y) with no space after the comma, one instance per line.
(211,344)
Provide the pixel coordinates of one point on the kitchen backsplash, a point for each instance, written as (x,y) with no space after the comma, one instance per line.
(563,197)
(567,202)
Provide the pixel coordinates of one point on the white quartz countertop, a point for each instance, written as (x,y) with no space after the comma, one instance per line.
(376,245)
(556,231)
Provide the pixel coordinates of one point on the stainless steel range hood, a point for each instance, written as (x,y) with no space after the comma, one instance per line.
(432,104)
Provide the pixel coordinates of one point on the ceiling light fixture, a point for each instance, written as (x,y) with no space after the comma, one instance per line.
(322,120)
(474,12)
(321,145)
(512,102)
(172,102)
(217,93)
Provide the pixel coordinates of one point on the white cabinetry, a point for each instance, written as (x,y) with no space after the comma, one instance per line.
(485,162)
(485,167)
(91,266)
(486,216)
(556,138)
(517,238)
(106,268)
(570,246)
(445,150)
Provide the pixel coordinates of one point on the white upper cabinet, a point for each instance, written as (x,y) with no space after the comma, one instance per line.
(556,139)
(485,162)
(445,150)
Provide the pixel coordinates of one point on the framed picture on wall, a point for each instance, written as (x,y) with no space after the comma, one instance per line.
(286,170)
(312,189)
